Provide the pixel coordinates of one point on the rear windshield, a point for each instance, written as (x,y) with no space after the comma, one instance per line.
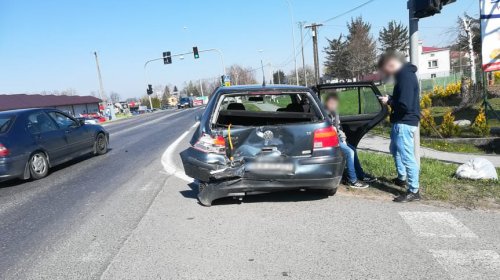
(184,99)
(256,109)
(5,123)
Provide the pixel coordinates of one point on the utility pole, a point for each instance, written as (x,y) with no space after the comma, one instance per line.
(414,56)
(293,39)
(314,33)
(201,88)
(101,87)
(301,26)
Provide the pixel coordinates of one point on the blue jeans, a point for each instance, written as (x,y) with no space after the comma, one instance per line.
(402,149)
(354,170)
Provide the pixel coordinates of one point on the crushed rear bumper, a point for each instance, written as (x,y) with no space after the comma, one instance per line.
(221,178)
(243,186)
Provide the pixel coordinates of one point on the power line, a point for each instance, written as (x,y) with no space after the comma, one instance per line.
(349,11)
(290,59)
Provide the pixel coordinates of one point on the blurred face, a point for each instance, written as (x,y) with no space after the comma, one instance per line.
(332,104)
(391,67)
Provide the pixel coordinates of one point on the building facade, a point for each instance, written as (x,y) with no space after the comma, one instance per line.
(73,105)
(434,62)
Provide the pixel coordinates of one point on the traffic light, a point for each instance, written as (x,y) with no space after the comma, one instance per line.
(427,8)
(196,53)
(167,58)
(149,91)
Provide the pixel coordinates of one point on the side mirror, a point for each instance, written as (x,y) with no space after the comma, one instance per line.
(81,122)
(197,117)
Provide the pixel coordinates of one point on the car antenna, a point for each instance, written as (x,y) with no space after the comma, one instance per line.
(263,75)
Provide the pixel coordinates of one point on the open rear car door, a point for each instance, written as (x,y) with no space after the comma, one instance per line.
(360,109)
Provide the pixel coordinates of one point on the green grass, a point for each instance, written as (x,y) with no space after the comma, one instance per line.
(445,146)
(249,106)
(436,144)
(282,101)
(437,181)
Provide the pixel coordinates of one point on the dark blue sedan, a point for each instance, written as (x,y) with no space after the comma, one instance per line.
(33,140)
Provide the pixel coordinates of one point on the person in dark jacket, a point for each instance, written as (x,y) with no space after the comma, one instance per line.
(405,116)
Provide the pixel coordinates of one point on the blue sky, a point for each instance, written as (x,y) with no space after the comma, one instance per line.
(49,45)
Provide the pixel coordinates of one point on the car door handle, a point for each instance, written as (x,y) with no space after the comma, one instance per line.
(67,131)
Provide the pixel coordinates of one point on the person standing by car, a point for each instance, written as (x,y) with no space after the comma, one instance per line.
(356,177)
(405,116)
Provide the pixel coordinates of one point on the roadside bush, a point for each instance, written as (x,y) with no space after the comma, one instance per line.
(453,88)
(449,90)
(426,101)
(448,128)
(497,77)
(427,123)
(480,126)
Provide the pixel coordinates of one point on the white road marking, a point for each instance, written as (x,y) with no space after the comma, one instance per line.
(151,122)
(436,224)
(469,264)
(167,159)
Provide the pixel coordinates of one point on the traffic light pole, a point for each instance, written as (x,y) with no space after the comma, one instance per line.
(414,56)
(221,56)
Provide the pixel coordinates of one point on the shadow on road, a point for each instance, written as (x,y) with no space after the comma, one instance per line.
(282,196)
(383,184)
(16,182)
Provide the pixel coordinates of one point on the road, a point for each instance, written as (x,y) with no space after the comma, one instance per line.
(131,214)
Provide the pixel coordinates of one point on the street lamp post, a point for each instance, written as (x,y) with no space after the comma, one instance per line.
(293,40)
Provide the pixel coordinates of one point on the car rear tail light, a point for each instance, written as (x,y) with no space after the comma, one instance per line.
(3,151)
(210,144)
(325,138)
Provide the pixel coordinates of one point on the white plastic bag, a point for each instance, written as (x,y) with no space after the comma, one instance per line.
(477,168)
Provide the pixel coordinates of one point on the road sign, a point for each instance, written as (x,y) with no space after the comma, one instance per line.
(226,80)
(490,34)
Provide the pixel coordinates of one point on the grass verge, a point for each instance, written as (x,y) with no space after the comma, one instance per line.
(436,144)
(445,146)
(436,181)
(251,107)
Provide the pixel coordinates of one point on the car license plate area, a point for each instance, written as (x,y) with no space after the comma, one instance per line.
(270,168)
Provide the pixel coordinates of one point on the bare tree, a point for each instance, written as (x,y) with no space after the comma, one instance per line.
(292,78)
(114,97)
(242,76)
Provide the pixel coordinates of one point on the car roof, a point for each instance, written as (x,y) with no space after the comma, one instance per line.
(20,111)
(244,88)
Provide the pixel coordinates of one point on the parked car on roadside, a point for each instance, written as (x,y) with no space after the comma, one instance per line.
(34,140)
(257,139)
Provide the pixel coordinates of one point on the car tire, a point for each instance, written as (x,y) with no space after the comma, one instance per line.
(38,165)
(100,144)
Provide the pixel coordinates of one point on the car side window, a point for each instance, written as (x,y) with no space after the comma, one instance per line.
(62,120)
(369,101)
(39,122)
(354,100)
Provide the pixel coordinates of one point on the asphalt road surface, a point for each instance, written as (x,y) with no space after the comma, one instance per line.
(132,214)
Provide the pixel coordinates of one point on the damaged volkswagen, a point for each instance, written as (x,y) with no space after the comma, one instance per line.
(261,139)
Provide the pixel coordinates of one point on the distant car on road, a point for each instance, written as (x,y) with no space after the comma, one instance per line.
(257,139)
(185,102)
(33,140)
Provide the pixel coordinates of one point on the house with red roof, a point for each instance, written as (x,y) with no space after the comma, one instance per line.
(434,62)
(74,105)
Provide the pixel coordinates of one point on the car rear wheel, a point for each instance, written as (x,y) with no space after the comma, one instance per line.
(38,165)
(101,144)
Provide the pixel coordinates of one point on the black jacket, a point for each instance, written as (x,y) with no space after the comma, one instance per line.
(405,101)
